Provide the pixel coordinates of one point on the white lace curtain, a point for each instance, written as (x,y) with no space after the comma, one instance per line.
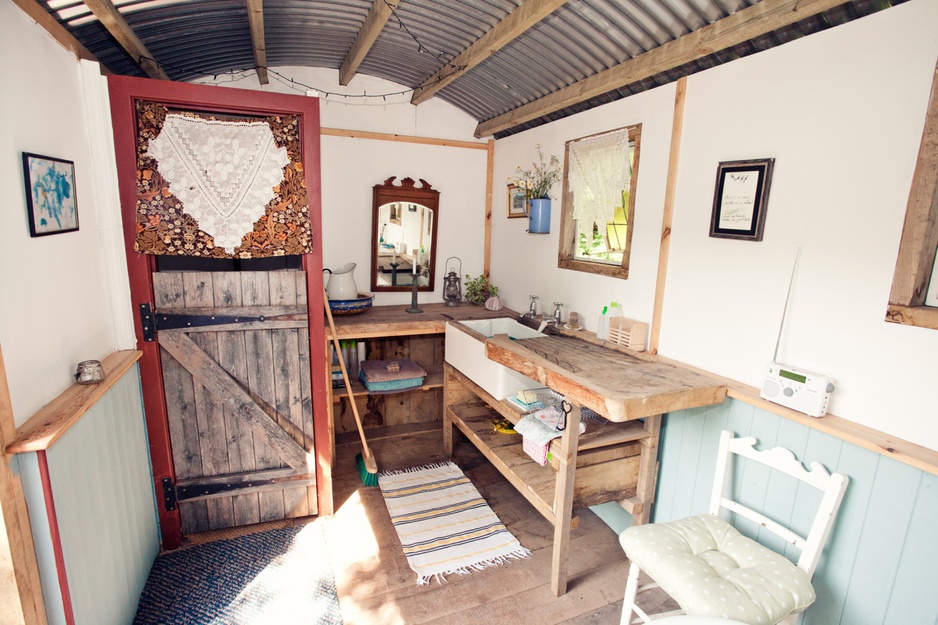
(599,172)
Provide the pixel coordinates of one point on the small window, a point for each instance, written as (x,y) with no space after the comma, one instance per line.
(598,204)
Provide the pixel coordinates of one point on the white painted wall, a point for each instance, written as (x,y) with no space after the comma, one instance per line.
(351,168)
(57,293)
(842,113)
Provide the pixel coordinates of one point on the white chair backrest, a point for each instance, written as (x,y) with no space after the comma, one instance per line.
(831,486)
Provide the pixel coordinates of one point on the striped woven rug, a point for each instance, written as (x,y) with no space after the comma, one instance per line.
(444,524)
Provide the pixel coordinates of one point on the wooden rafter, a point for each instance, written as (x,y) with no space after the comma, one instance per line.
(256,23)
(58,32)
(751,22)
(115,23)
(517,22)
(375,20)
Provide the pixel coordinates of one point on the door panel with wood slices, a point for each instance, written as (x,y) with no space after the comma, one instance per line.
(237,381)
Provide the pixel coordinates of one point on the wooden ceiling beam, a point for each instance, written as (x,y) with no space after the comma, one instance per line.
(59,33)
(374,22)
(753,21)
(256,23)
(115,23)
(517,22)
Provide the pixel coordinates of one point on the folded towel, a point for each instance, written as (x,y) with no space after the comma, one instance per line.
(386,370)
(539,431)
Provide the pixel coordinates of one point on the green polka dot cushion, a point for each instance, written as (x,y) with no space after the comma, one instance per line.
(711,569)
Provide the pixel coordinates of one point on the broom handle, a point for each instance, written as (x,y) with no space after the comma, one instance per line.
(370,463)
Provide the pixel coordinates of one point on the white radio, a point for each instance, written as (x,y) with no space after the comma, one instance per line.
(796,389)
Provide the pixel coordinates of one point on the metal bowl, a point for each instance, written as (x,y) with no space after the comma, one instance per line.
(352,306)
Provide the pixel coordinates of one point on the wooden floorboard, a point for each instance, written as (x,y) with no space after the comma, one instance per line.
(376,586)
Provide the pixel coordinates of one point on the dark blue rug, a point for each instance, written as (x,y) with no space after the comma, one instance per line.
(275,577)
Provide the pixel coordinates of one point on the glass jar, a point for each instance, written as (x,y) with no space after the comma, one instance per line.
(90,372)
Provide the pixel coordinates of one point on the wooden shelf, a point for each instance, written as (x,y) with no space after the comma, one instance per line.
(55,418)
(434,379)
(389,431)
(534,482)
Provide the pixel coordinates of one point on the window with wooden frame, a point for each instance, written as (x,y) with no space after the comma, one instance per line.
(909,300)
(598,204)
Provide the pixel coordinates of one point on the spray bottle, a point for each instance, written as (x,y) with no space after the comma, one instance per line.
(602,327)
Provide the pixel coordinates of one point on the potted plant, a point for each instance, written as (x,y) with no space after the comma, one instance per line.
(479,289)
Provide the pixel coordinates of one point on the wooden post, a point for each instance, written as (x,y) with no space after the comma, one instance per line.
(677,125)
(647,471)
(489,184)
(563,502)
(20,592)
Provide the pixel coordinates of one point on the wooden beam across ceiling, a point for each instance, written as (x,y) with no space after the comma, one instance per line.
(751,22)
(47,22)
(517,22)
(115,23)
(256,23)
(374,22)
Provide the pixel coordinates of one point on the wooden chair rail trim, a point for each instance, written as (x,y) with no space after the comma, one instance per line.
(54,419)
(860,435)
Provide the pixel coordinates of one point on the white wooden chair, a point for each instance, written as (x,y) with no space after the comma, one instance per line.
(710,569)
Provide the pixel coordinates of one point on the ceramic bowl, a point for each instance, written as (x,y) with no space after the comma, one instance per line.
(352,306)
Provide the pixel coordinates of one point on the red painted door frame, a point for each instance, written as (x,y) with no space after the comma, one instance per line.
(124,92)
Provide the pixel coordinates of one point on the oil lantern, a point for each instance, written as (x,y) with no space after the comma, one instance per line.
(452,283)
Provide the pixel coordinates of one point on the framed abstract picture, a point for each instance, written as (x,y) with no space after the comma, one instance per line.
(51,203)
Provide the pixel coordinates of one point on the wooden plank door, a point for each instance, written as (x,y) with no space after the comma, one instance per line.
(238,399)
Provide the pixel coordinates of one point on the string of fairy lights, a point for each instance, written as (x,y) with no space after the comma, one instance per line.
(236,75)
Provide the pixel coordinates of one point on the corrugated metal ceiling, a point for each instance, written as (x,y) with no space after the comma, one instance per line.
(581,38)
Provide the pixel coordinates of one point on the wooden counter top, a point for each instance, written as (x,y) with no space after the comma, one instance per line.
(395,320)
(619,384)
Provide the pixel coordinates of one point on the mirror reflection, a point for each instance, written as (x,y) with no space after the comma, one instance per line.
(404,235)
(404,244)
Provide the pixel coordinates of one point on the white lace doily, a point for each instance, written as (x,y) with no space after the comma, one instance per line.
(223,172)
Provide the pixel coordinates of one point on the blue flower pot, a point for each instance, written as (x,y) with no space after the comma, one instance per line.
(538,216)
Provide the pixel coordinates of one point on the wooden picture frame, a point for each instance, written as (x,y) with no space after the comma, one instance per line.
(740,198)
(51,202)
(516,200)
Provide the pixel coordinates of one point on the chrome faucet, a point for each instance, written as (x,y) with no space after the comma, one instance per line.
(558,316)
(532,309)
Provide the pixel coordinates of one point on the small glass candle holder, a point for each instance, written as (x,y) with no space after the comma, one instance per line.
(90,372)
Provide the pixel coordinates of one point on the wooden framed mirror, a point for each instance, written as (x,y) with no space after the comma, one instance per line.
(403,227)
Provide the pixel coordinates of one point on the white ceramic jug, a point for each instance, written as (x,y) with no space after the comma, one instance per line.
(342,283)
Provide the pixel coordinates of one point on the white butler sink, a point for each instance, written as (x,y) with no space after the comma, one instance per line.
(465,350)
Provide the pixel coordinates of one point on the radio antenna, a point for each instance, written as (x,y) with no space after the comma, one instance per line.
(791,282)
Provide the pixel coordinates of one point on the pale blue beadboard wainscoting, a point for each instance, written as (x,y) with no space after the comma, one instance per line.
(880,565)
(105,509)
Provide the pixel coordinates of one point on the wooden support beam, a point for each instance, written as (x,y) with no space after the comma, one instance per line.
(753,21)
(664,245)
(489,186)
(58,32)
(517,22)
(919,232)
(374,22)
(20,589)
(256,24)
(115,23)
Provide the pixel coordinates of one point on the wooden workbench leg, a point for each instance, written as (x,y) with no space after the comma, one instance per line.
(647,471)
(563,502)
(448,383)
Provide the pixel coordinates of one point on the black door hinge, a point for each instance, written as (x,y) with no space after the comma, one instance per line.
(147,322)
(169,494)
